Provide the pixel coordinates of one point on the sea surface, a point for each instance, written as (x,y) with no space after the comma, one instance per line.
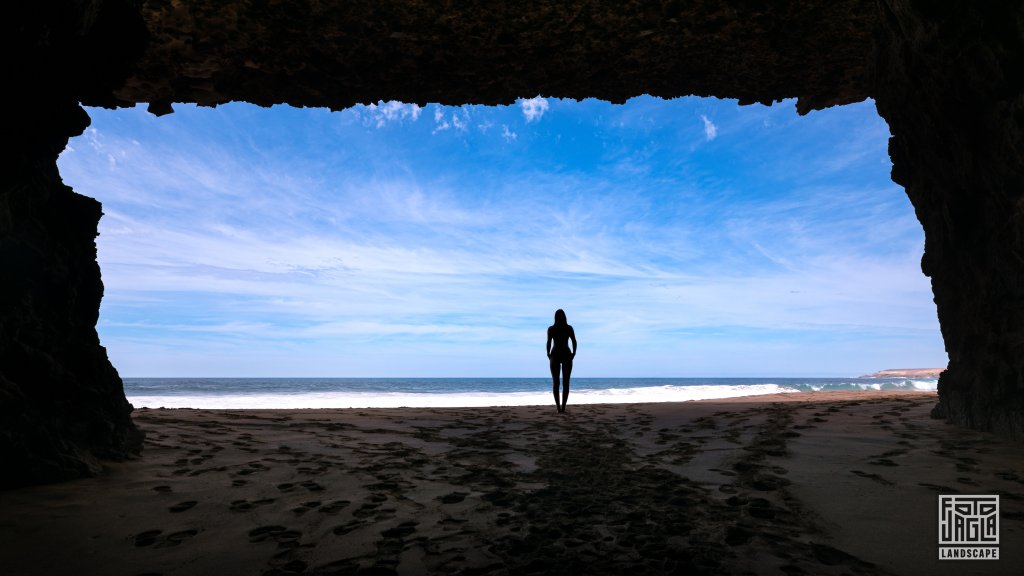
(461,392)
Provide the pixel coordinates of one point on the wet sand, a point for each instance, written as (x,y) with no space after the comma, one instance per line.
(823,483)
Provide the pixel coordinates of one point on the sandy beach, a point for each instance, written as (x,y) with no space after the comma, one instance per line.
(822,483)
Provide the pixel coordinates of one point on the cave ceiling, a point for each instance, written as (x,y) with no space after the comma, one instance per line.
(336,54)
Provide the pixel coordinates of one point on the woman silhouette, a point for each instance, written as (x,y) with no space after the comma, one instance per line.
(559,335)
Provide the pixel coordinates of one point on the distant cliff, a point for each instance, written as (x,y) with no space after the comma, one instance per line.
(906,373)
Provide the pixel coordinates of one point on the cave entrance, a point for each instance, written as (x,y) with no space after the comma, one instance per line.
(691,237)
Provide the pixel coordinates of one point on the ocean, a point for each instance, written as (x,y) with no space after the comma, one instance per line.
(218,393)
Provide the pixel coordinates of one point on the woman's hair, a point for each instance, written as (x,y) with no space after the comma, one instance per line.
(560,317)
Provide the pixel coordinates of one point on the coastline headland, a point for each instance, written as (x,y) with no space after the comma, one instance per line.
(928,373)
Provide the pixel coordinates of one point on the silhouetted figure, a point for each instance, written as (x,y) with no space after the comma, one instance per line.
(560,356)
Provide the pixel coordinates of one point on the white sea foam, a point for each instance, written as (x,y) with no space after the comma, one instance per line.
(469,399)
(931,385)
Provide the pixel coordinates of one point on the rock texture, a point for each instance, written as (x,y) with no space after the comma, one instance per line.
(945,74)
(950,83)
(335,54)
(62,404)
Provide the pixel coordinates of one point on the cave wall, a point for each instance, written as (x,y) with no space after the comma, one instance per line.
(336,54)
(950,83)
(945,75)
(62,404)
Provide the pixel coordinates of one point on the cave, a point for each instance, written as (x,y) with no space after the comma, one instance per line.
(945,75)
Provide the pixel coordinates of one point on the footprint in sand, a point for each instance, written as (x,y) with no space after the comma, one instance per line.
(284,537)
(366,510)
(334,507)
(243,505)
(346,528)
(874,477)
(830,556)
(147,538)
(768,482)
(162,489)
(966,465)
(176,538)
(182,506)
(936,487)
(883,462)
(1011,476)
(312,486)
(453,498)
(154,538)
(761,508)
(291,567)
(306,507)
(386,486)
(308,485)
(401,531)
(500,498)
(737,535)
(313,471)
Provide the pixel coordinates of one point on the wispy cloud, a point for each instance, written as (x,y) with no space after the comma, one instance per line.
(389,256)
(710,130)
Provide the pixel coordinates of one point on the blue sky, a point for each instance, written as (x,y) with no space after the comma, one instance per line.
(691,237)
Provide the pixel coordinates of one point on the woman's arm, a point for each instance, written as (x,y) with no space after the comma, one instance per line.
(572,336)
(550,339)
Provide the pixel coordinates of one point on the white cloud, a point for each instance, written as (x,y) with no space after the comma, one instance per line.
(534,108)
(507,134)
(460,121)
(710,130)
(457,120)
(92,136)
(382,113)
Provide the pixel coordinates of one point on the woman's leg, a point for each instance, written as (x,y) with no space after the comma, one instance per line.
(554,379)
(566,372)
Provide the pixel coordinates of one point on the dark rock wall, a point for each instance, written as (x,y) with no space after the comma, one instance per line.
(62,404)
(946,76)
(950,83)
(335,54)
